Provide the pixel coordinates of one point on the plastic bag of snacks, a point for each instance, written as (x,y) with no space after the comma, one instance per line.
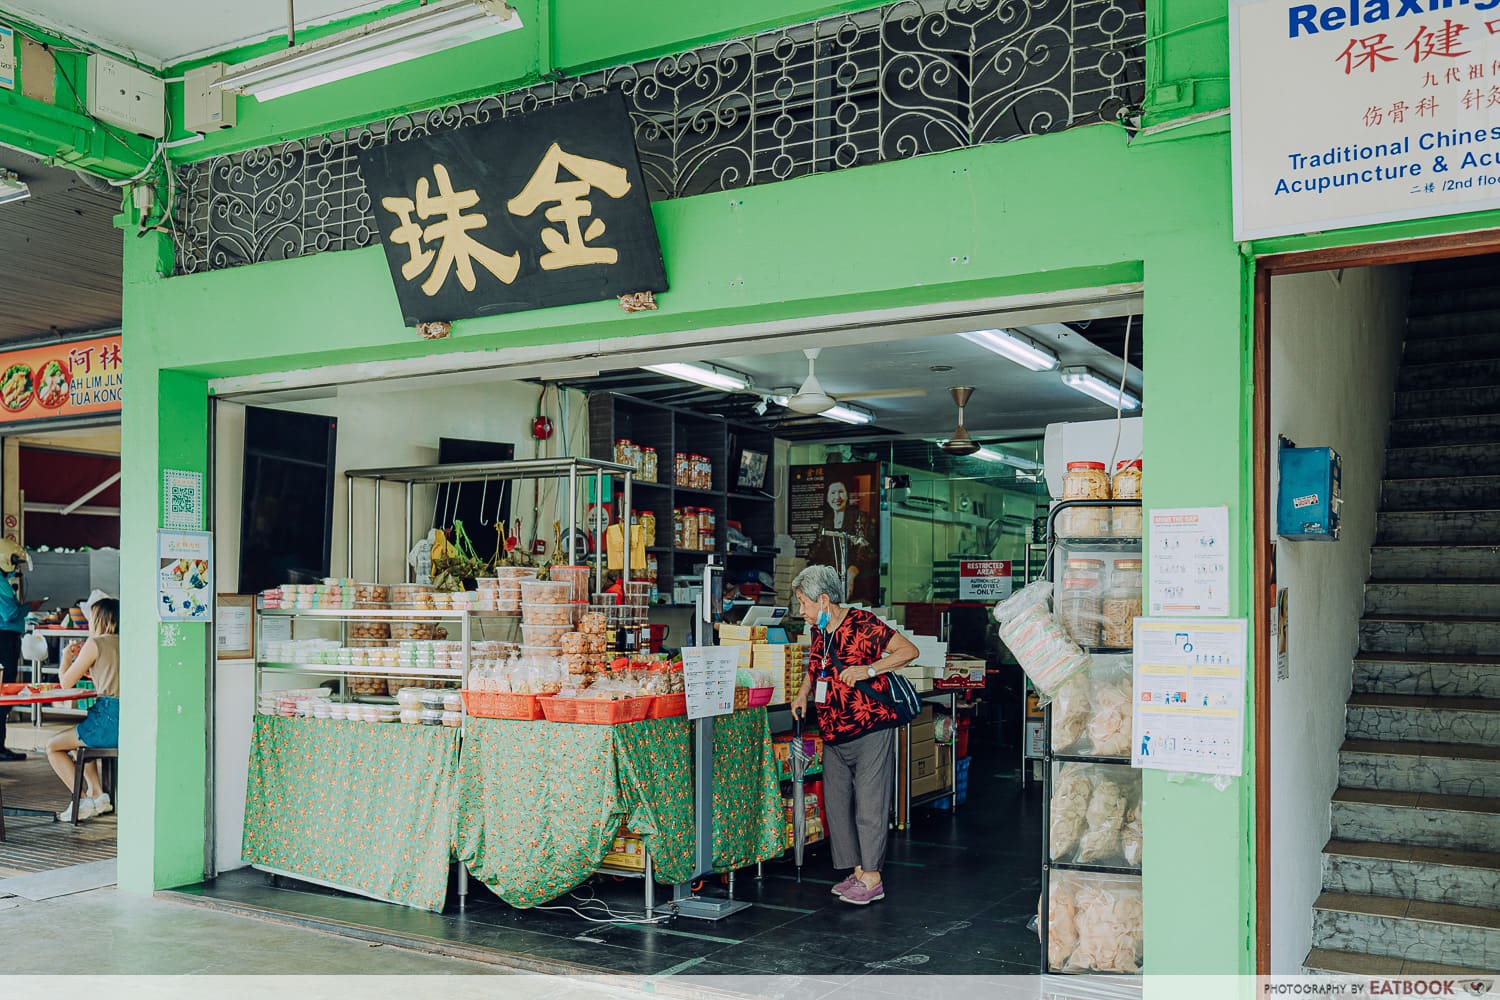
(1033,635)
(1107,917)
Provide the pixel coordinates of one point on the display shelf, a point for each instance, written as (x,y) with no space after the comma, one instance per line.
(1110,542)
(1072,758)
(752,497)
(1059,550)
(751,555)
(378,614)
(806,774)
(694,491)
(1076,866)
(352,671)
(660,548)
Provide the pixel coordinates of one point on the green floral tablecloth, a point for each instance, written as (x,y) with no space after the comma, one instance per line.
(363,807)
(749,819)
(540,802)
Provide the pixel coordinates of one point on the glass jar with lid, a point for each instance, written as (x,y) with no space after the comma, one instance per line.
(1126,521)
(649,465)
(1121,604)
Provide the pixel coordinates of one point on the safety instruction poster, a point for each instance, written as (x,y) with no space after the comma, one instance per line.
(708,679)
(1189,695)
(1189,566)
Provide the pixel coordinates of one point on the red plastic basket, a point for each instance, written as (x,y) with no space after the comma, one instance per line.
(501,705)
(759,697)
(595,711)
(668,706)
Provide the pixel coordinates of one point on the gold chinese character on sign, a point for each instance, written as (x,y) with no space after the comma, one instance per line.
(570,247)
(456,249)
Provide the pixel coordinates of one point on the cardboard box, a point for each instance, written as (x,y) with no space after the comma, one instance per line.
(925,732)
(923,767)
(914,671)
(927,785)
(735,634)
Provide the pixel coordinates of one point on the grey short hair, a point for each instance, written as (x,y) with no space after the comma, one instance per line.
(817,581)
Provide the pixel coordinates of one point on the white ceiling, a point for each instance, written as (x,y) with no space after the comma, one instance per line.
(163,32)
(1008,401)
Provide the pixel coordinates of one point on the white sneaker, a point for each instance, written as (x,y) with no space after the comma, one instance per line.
(102,804)
(85,811)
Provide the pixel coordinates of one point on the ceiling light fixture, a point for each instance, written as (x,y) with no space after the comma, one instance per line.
(1016,461)
(1022,350)
(847,414)
(433,27)
(12,188)
(711,376)
(1091,383)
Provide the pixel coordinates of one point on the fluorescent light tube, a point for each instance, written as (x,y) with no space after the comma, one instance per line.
(1022,350)
(991,455)
(844,413)
(12,188)
(708,375)
(434,27)
(1091,383)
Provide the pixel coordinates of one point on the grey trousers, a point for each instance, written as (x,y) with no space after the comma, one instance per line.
(858,784)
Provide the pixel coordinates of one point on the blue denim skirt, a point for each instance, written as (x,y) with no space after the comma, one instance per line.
(101,727)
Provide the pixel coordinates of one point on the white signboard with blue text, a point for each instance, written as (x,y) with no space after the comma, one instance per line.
(1353,112)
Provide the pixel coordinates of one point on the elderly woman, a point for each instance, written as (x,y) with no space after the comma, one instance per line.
(852,651)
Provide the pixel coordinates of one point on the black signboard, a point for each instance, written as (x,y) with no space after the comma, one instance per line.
(543,209)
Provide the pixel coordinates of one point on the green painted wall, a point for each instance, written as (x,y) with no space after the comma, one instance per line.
(1074,210)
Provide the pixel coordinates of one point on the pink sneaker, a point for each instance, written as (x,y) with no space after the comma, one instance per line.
(861,895)
(844,886)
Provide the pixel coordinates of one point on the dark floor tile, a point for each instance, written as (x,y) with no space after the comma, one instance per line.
(604,957)
(674,940)
(846,960)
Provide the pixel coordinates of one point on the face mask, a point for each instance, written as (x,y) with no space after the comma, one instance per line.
(823,620)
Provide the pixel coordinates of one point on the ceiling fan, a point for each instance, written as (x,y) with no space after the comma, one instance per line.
(812,398)
(961,443)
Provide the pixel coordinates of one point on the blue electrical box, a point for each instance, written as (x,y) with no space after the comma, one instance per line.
(1308,502)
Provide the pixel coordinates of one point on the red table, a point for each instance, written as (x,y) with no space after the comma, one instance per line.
(9,701)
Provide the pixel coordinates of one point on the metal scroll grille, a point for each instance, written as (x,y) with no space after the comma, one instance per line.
(906,79)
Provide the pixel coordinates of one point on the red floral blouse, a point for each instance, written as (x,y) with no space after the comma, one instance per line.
(860,640)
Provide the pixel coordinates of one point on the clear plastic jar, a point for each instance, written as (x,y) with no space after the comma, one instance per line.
(1121,604)
(680,470)
(1079,609)
(648,526)
(648,465)
(1127,481)
(622,451)
(1085,481)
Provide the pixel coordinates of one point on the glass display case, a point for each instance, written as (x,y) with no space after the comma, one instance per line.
(1090,917)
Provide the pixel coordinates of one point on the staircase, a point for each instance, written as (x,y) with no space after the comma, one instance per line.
(1411,876)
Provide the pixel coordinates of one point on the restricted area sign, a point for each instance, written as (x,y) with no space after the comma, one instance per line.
(984,579)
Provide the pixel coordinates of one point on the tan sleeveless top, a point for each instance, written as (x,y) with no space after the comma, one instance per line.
(105,672)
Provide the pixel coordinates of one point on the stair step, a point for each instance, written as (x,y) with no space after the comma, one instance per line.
(1425,874)
(1435,562)
(1452,276)
(1462,401)
(1423,719)
(1429,301)
(1347,963)
(1411,766)
(1438,527)
(1453,676)
(1467,371)
(1429,635)
(1476,598)
(1463,936)
(1454,324)
(1425,819)
(1427,461)
(1430,350)
(1420,432)
(1441,493)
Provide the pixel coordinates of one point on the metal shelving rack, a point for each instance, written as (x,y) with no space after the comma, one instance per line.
(1050,760)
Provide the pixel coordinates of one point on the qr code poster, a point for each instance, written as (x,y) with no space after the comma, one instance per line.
(182,500)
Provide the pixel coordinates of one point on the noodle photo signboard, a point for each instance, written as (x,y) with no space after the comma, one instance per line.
(69,379)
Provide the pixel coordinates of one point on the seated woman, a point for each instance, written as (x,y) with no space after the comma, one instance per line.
(99,659)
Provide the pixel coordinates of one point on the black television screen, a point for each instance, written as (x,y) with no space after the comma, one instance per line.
(286,530)
(752,469)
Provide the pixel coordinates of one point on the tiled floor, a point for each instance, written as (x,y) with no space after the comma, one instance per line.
(36,843)
(960,890)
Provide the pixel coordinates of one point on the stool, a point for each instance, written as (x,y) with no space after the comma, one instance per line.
(82,756)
